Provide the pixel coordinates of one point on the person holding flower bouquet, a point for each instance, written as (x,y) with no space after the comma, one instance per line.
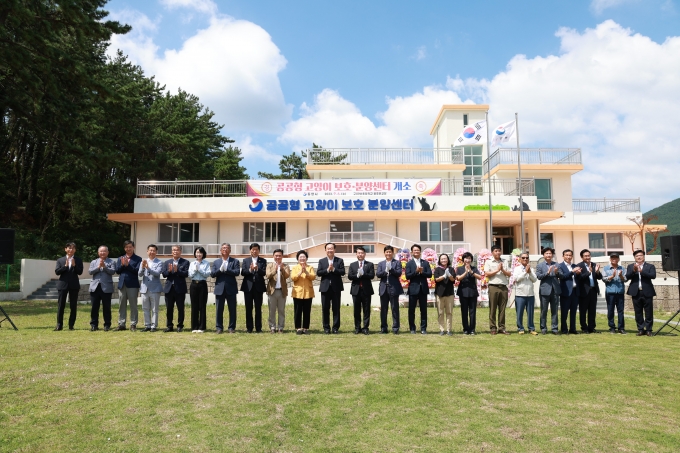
(444,276)
(467,276)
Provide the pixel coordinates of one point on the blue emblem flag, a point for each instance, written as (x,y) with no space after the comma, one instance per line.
(502,134)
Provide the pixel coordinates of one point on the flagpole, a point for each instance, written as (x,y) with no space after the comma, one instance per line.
(519,174)
(488,178)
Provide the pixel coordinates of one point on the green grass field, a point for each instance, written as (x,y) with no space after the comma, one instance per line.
(125,391)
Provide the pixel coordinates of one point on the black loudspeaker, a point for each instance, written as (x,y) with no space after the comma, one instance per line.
(6,246)
(670,253)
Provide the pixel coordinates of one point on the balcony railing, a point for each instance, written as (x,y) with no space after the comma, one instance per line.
(217,188)
(606,205)
(406,156)
(551,156)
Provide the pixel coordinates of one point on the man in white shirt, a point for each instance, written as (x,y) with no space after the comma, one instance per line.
(524,293)
(495,271)
(277,275)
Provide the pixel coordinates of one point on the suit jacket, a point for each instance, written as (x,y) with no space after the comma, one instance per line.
(128,274)
(445,287)
(68,276)
(549,282)
(648,274)
(331,281)
(151,277)
(364,283)
(418,282)
(583,280)
(176,280)
(467,287)
(225,281)
(253,282)
(389,281)
(102,277)
(566,283)
(270,275)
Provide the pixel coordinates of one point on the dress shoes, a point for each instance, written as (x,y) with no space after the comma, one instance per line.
(612,330)
(554,332)
(384,331)
(564,332)
(146,329)
(218,331)
(306,332)
(299,332)
(622,331)
(396,332)
(573,332)
(356,331)
(365,331)
(231,331)
(119,328)
(584,331)
(153,329)
(326,332)
(423,332)
(94,329)
(649,333)
(180,330)
(472,332)
(544,332)
(107,328)
(641,333)
(168,329)
(58,328)
(71,328)
(504,332)
(413,332)
(493,332)
(133,328)
(335,331)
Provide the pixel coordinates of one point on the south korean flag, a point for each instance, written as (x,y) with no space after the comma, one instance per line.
(473,134)
(502,134)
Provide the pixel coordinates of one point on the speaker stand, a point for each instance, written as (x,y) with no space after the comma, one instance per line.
(6,318)
(672,317)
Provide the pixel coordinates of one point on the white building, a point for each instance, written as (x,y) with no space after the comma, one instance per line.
(377,197)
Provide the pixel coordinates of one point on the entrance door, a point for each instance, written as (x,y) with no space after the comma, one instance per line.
(503,238)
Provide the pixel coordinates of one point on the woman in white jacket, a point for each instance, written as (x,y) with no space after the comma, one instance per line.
(524,293)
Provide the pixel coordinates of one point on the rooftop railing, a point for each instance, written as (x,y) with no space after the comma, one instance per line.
(217,188)
(606,204)
(367,156)
(546,156)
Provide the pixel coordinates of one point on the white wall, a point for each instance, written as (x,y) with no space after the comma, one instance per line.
(35,273)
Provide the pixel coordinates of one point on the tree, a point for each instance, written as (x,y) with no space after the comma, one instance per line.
(292,167)
(318,156)
(642,222)
(227,165)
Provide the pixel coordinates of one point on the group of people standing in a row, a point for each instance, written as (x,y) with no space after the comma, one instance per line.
(576,286)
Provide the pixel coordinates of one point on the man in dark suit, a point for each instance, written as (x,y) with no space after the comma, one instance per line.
(331,269)
(225,270)
(68,269)
(641,289)
(418,272)
(549,273)
(253,286)
(176,271)
(361,274)
(569,292)
(390,288)
(128,285)
(101,288)
(588,290)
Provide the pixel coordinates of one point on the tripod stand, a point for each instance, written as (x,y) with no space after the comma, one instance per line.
(6,318)
(672,317)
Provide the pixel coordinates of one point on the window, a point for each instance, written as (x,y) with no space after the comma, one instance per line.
(178,232)
(264,231)
(465,119)
(602,244)
(441,231)
(472,175)
(544,194)
(547,241)
(352,234)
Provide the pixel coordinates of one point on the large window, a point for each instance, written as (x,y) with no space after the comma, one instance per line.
(441,231)
(472,175)
(544,194)
(547,241)
(602,244)
(178,232)
(264,231)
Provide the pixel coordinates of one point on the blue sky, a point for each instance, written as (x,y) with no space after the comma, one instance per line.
(280,75)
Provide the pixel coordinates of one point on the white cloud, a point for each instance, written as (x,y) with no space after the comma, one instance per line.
(255,153)
(421,53)
(232,66)
(202,6)
(598,6)
(336,122)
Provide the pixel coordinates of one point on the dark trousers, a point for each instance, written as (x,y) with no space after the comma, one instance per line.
(586,308)
(219,311)
(362,303)
(615,301)
(389,301)
(171,299)
(96,297)
(330,299)
(568,306)
(420,299)
(72,295)
(253,299)
(468,313)
(198,293)
(644,312)
(303,310)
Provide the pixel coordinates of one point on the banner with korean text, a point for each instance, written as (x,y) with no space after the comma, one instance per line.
(402,188)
